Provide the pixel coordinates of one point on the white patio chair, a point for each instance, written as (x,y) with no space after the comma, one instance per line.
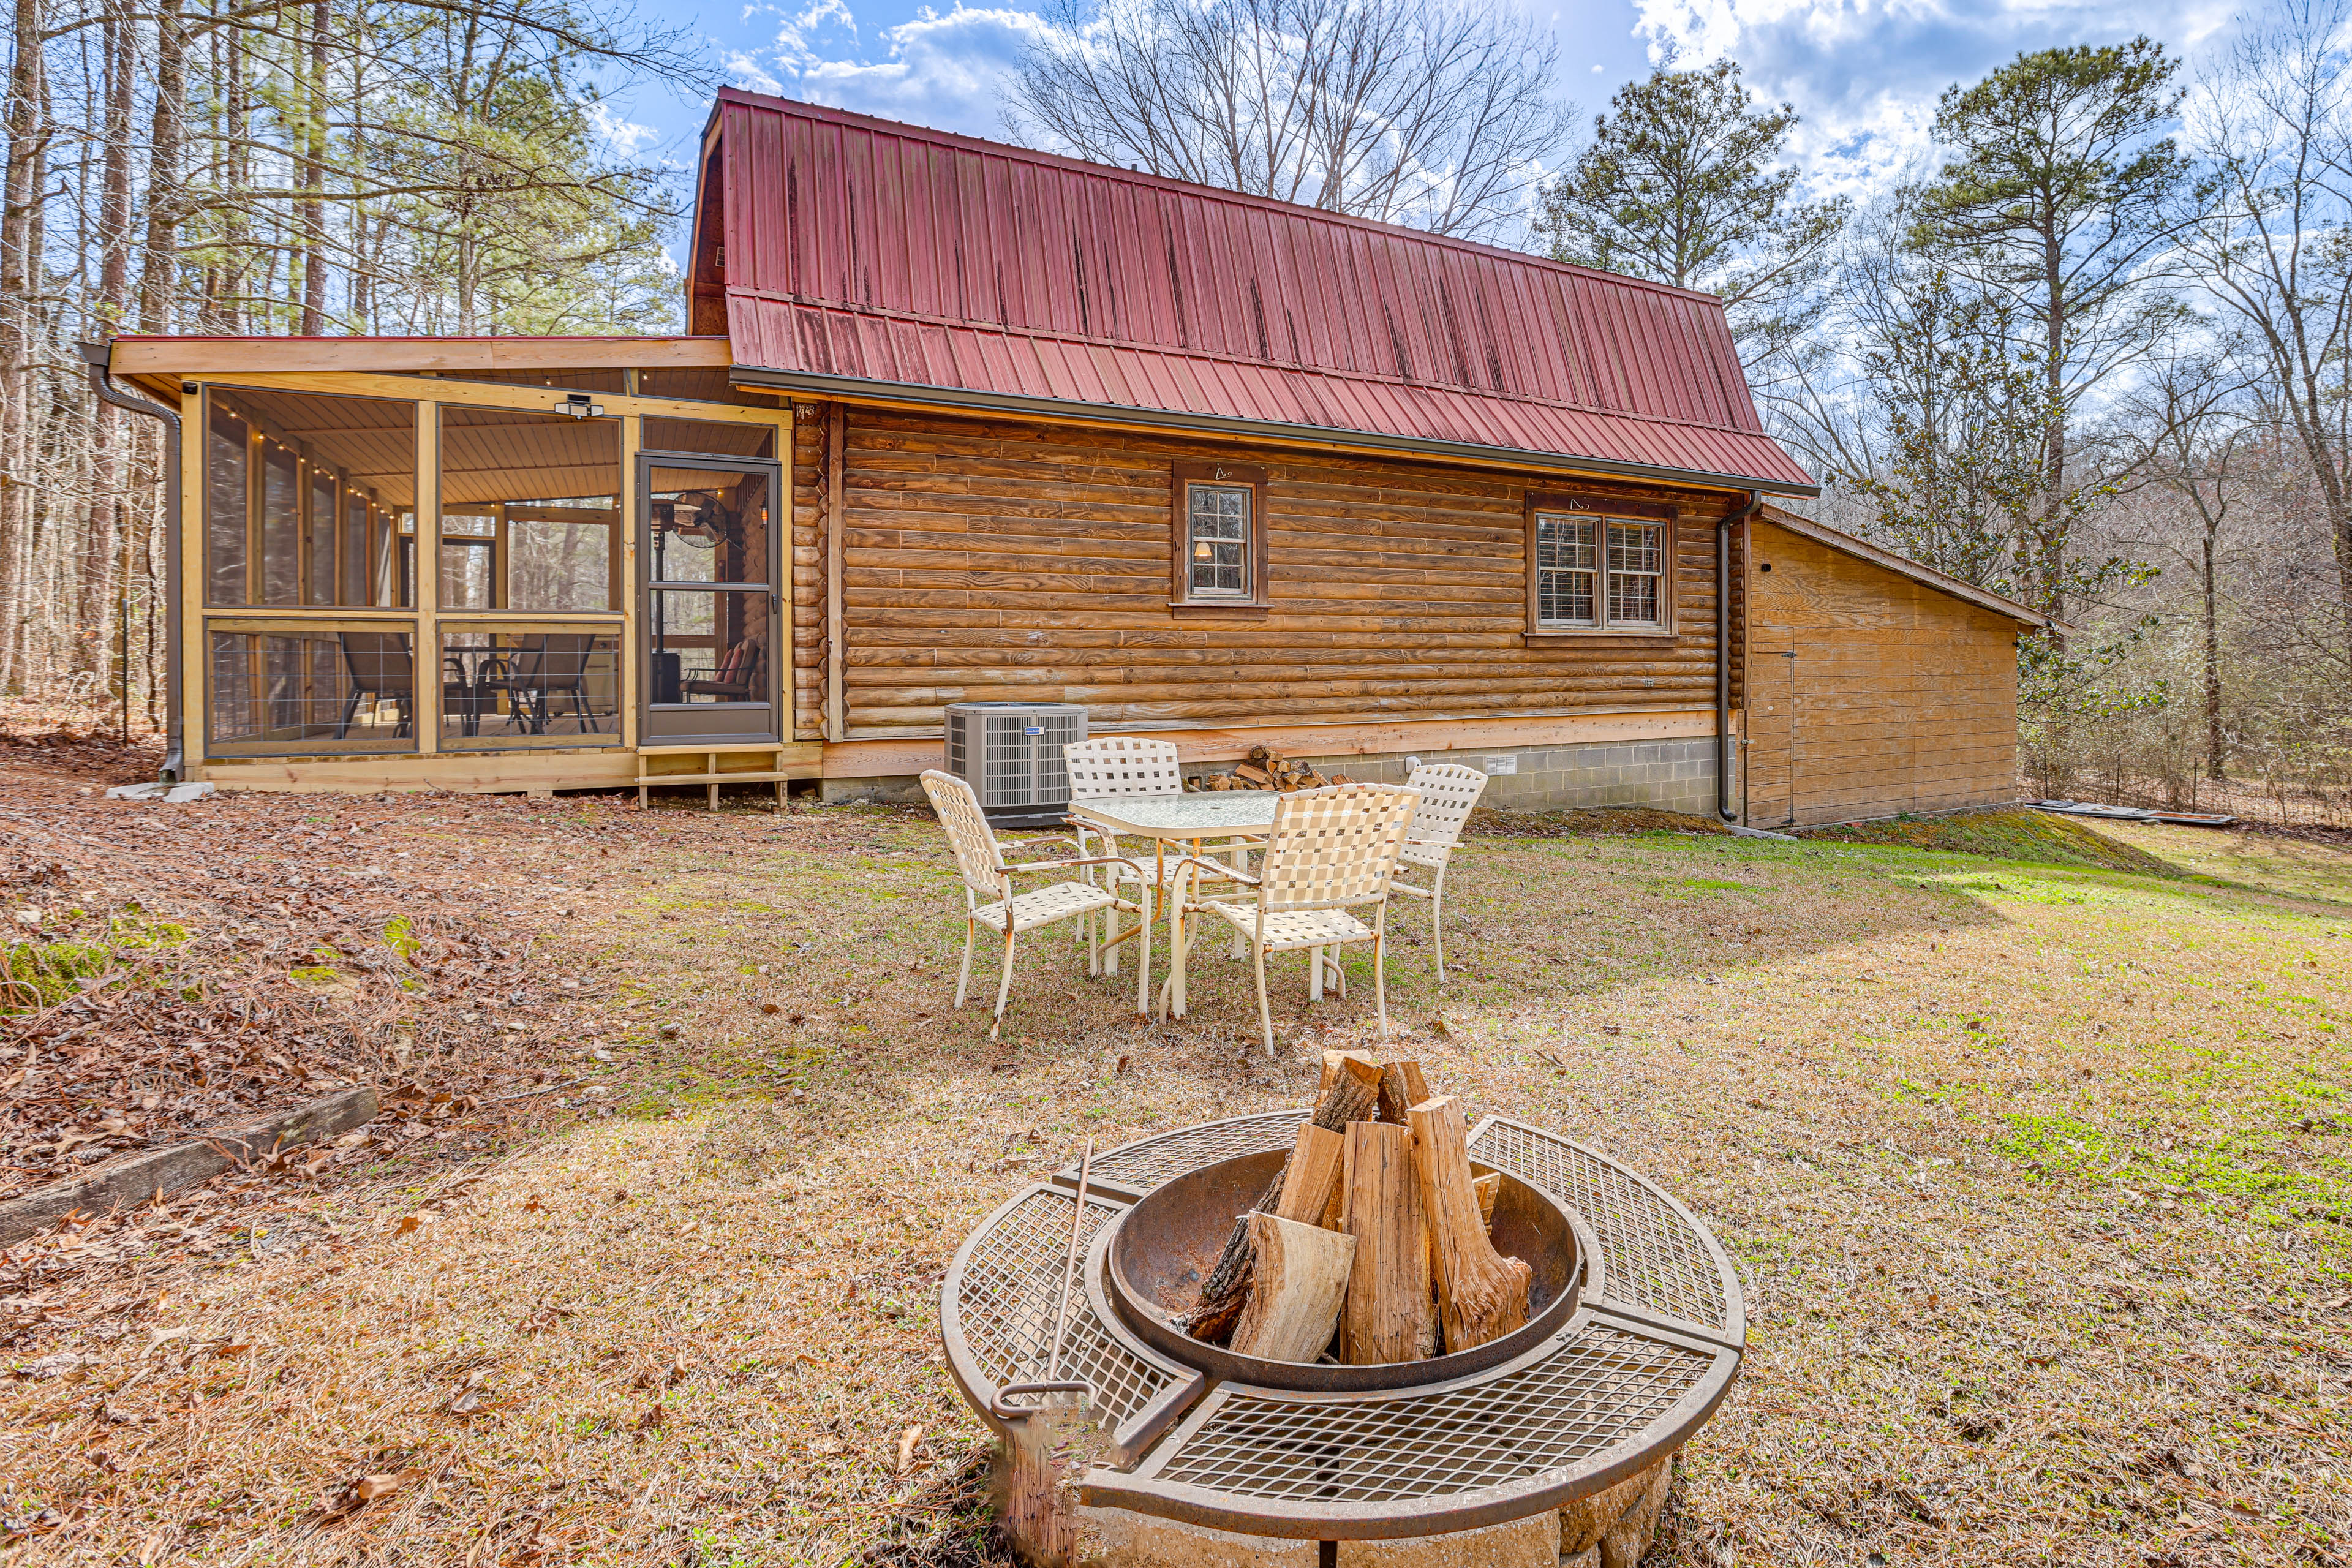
(1109,767)
(1331,850)
(987,875)
(1448,791)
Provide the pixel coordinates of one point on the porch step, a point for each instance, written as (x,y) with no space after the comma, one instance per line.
(710,776)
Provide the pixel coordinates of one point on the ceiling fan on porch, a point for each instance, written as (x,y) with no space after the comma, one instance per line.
(697,518)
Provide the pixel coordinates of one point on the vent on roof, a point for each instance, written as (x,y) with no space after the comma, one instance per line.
(1011,752)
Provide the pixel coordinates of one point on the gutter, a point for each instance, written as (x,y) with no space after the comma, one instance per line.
(964,400)
(1723,652)
(100,356)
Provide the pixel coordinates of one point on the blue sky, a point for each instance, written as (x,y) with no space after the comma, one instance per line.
(1863,73)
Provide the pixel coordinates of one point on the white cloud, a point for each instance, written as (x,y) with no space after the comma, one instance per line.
(623,136)
(945,71)
(1865,73)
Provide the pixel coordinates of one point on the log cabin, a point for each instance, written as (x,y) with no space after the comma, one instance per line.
(954,422)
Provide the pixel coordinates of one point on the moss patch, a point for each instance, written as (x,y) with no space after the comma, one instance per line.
(2008,835)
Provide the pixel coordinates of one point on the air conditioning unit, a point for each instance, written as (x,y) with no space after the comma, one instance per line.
(1011,755)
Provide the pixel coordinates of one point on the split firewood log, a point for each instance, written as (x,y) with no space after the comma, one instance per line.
(1401,1089)
(1255,775)
(1389,1316)
(1332,1066)
(1481,1294)
(1299,1277)
(1352,1097)
(1490,1187)
(1311,1180)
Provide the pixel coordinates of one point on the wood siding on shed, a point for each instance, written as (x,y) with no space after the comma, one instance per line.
(996,560)
(1874,695)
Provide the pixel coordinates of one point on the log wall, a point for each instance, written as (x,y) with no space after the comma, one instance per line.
(1873,695)
(1001,561)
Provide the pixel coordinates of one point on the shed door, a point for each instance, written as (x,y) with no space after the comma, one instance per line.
(1772,739)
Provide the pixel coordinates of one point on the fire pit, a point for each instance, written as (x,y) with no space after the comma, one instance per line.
(1551,1439)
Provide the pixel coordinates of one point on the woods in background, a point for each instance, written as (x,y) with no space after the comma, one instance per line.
(2094,353)
(323,168)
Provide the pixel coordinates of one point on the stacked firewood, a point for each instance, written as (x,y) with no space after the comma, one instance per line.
(1267,769)
(1372,1245)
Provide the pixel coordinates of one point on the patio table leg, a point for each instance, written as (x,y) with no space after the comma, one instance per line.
(1315,974)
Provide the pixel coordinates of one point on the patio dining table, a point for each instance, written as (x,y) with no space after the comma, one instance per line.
(1186,823)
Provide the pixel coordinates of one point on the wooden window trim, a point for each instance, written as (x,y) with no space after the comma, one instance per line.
(1182,477)
(1601,508)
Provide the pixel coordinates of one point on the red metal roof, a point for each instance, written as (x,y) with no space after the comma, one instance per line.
(864,251)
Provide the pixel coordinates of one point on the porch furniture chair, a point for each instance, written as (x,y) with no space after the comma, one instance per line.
(462,694)
(987,875)
(1448,792)
(380,669)
(736,676)
(552,664)
(1331,850)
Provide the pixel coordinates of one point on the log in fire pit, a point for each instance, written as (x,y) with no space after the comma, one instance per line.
(1545,1444)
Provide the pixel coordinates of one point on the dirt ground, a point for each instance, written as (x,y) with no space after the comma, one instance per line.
(2036,1173)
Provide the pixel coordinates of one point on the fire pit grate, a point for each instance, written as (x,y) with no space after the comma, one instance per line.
(1593,1389)
(1655,1257)
(1141,1166)
(1634,1368)
(1013,1283)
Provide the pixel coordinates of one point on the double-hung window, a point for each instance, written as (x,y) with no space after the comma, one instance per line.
(1220,536)
(1591,570)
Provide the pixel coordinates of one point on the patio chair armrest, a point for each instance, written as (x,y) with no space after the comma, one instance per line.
(1067,865)
(1217,867)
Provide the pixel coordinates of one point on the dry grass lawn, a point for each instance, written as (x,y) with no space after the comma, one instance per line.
(2037,1174)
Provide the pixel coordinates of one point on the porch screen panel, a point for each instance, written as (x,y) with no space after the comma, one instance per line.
(281,525)
(531,511)
(523,685)
(286,689)
(720,439)
(351,554)
(227,505)
(711,603)
(282,470)
(320,580)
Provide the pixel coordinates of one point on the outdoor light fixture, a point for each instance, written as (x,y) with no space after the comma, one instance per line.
(579,408)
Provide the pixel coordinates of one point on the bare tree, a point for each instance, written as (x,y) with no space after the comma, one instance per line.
(2274,239)
(2196,441)
(1436,113)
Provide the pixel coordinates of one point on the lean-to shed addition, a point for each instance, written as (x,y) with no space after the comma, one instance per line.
(960,422)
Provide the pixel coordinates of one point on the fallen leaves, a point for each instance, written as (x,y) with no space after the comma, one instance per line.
(50,1367)
(362,1490)
(908,1441)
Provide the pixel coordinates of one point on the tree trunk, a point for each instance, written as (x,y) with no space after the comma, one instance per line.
(158,273)
(312,176)
(2216,767)
(101,527)
(19,195)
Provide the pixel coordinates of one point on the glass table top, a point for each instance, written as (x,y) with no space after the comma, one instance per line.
(1182,815)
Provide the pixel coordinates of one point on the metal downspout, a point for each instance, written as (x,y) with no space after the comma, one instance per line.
(1723,652)
(100,356)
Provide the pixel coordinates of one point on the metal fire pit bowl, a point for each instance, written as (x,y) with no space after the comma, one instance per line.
(1158,1252)
(1629,1355)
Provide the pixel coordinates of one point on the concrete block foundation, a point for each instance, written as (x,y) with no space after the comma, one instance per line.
(1665,776)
